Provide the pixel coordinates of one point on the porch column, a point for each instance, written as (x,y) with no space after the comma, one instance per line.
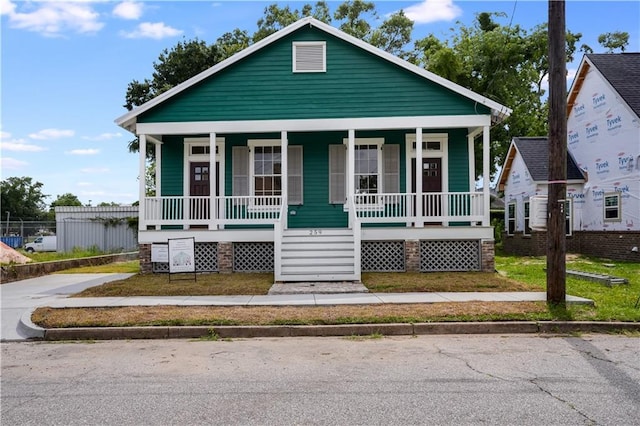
(472,169)
(142,142)
(158,178)
(486,176)
(213,184)
(418,177)
(351,167)
(284,180)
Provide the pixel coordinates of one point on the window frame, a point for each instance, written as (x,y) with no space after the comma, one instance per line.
(252,144)
(568,213)
(618,207)
(511,219)
(378,143)
(527,217)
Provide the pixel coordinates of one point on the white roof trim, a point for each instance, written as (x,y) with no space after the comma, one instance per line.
(128,120)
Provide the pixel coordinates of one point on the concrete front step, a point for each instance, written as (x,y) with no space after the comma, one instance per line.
(320,287)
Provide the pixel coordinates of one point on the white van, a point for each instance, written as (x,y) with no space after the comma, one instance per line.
(42,244)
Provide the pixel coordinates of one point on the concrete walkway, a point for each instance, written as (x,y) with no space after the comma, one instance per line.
(20,298)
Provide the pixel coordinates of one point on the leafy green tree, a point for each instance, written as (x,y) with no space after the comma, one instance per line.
(22,198)
(614,41)
(230,43)
(505,63)
(106,204)
(393,35)
(355,21)
(67,199)
(276,18)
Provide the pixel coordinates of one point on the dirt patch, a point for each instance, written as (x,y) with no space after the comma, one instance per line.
(281,315)
(9,255)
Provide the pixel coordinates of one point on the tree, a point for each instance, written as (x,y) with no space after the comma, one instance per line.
(354,23)
(393,34)
(505,63)
(614,40)
(174,66)
(67,199)
(111,204)
(276,18)
(22,198)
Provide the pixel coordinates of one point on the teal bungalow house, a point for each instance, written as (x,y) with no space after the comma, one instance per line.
(316,156)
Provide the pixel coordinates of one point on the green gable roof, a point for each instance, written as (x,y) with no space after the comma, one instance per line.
(360,81)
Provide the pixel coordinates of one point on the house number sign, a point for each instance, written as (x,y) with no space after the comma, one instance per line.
(315,232)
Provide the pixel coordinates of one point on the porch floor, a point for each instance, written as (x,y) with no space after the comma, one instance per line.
(338,287)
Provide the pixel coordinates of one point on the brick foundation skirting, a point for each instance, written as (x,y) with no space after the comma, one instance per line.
(614,245)
(225,257)
(412,255)
(488,255)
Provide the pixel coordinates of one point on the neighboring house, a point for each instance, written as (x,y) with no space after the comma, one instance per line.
(603,141)
(108,228)
(523,176)
(297,155)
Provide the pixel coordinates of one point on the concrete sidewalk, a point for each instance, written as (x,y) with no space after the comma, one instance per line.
(20,298)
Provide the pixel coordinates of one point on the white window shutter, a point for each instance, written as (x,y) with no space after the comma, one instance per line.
(295,195)
(337,174)
(391,168)
(240,164)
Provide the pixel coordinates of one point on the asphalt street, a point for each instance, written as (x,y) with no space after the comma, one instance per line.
(461,380)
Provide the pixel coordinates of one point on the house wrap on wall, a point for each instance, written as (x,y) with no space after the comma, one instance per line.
(298,155)
(603,165)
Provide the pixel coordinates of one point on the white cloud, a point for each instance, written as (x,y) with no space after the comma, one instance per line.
(128,10)
(52,134)
(157,30)
(102,136)
(53,18)
(429,11)
(84,184)
(19,145)
(6,7)
(95,170)
(3,134)
(84,152)
(9,163)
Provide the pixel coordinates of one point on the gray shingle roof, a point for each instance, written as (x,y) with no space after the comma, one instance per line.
(535,154)
(622,70)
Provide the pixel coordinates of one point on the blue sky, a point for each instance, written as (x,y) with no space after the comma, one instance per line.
(66,65)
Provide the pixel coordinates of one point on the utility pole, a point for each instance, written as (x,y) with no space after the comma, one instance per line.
(556,241)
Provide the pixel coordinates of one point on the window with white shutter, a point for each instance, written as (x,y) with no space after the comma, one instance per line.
(337,172)
(309,56)
(295,193)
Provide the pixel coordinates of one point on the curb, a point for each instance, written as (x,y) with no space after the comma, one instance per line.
(225,332)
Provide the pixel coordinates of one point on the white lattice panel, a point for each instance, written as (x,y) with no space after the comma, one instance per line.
(253,257)
(382,256)
(206,259)
(454,255)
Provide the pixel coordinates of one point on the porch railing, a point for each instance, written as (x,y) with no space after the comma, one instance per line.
(436,207)
(190,211)
(267,210)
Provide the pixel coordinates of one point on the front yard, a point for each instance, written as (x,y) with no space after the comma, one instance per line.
(514,274)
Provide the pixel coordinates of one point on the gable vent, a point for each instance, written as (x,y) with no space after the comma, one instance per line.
(309,56)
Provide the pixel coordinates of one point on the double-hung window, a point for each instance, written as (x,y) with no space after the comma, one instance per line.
(511,218)
(527,214)
(257,172)
(612,207)
(267,171)
(376,170)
